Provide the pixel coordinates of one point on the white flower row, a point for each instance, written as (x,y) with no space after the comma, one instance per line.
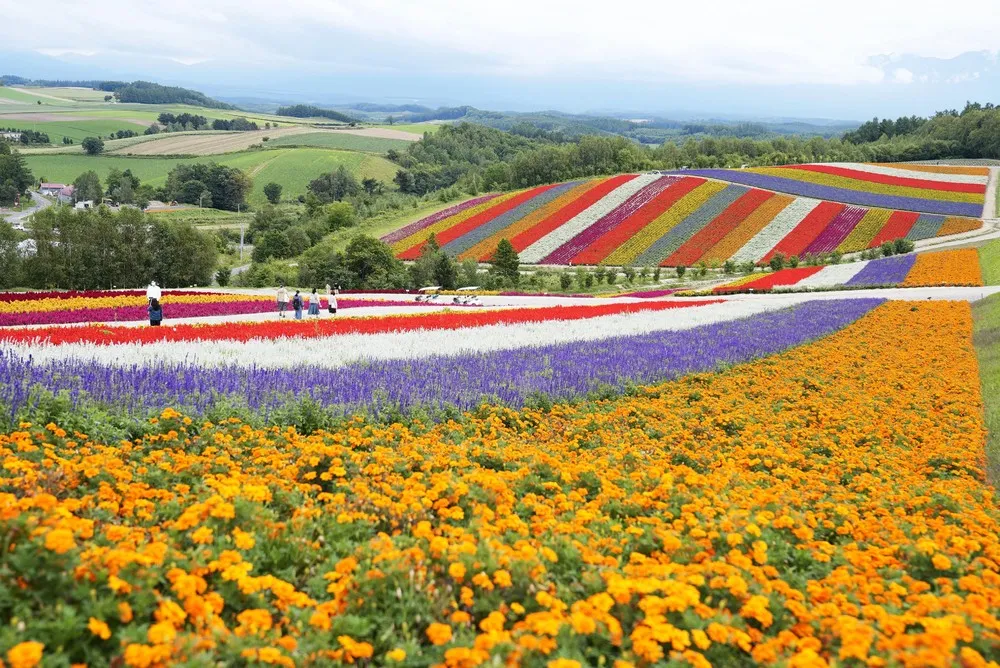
(537,251)
(835,274)
(912,173)
(786,221)
(336,351)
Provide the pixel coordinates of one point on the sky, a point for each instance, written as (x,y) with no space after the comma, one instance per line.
(848,59)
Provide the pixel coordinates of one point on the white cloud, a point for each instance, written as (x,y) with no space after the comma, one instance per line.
(902,75)
(729,41)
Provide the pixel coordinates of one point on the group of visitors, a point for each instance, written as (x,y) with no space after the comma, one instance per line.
(314,301)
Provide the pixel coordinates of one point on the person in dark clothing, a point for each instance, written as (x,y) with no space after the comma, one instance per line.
(297,305)
(155,313)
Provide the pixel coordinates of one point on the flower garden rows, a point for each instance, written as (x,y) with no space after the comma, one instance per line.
(943,268)
(508,357)
(824,506)
(54,308)
(653,219)
(891,187)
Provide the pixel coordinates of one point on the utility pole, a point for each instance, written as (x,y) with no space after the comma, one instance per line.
(242,228)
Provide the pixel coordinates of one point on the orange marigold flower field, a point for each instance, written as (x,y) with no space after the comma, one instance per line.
(826,506)
(951,267)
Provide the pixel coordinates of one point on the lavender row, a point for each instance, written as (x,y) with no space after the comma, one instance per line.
(861,198)
(569,250)
(416,226)
(561,371)
(887,271)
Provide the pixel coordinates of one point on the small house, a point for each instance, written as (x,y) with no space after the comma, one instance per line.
(10,135)
(51,189)
(66,195)
(85,204)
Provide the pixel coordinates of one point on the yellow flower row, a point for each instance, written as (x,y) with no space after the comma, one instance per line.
(423,235)
(861,236)
(121,301)
(826,505)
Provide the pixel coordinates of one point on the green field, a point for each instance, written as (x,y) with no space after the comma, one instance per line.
(986,336)
(293,168)
(989,261)
(75,130)
(416,128)
(343,141)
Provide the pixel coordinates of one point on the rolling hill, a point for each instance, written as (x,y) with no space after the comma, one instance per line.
(682,219)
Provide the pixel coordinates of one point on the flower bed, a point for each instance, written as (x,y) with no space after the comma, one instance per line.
(504,371)
(824,507)
(937,269)
(683,219)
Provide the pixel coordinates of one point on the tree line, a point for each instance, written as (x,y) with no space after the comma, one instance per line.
(973,132)
(99,249)
(310,111)
(15,177)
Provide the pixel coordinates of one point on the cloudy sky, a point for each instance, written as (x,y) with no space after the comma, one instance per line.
(782,57)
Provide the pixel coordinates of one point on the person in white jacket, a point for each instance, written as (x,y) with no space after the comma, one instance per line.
(282,299)
(153,292)
(331,300)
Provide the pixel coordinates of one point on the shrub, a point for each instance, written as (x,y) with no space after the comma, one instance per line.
(888,249)
(681,270)
(656,275)
(793,261)
(729,267)
(565,280)
(223,275)
(902,246)
(629,274)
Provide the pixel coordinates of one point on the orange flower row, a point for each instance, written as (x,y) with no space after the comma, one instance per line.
(827,505)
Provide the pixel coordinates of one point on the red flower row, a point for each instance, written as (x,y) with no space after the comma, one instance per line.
(89,294)
(245,331)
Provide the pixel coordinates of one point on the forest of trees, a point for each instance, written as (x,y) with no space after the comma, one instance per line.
(209,185)
(309,111)
(99,248)
(973,132)
(147,92)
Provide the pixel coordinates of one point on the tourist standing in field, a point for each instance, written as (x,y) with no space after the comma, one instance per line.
(314,303)
(297,305)
(282,301)
(331,300)
(155,313)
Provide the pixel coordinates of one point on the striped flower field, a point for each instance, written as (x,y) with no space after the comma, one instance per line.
(944,268)
(950,191)
(705,216)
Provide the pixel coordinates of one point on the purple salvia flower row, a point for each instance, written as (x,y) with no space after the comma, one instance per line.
(887,271)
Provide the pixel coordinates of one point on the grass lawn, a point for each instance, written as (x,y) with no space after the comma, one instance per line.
(293,168)
(342,141)
(989,261)
(206,218)
(986,316)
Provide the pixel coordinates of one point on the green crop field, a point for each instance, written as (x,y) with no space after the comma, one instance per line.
(75,130)
(415,128)
(986,336)
(293,168)
(343,141)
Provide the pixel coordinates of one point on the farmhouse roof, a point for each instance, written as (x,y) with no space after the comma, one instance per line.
(52,186)
(68,191)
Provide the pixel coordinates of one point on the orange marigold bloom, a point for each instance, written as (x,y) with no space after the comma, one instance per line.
(439,634)
(59,541)
(25,655)
(456,570)
(202,535)
(99,628)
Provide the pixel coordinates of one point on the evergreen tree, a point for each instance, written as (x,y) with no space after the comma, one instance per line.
(505,263)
